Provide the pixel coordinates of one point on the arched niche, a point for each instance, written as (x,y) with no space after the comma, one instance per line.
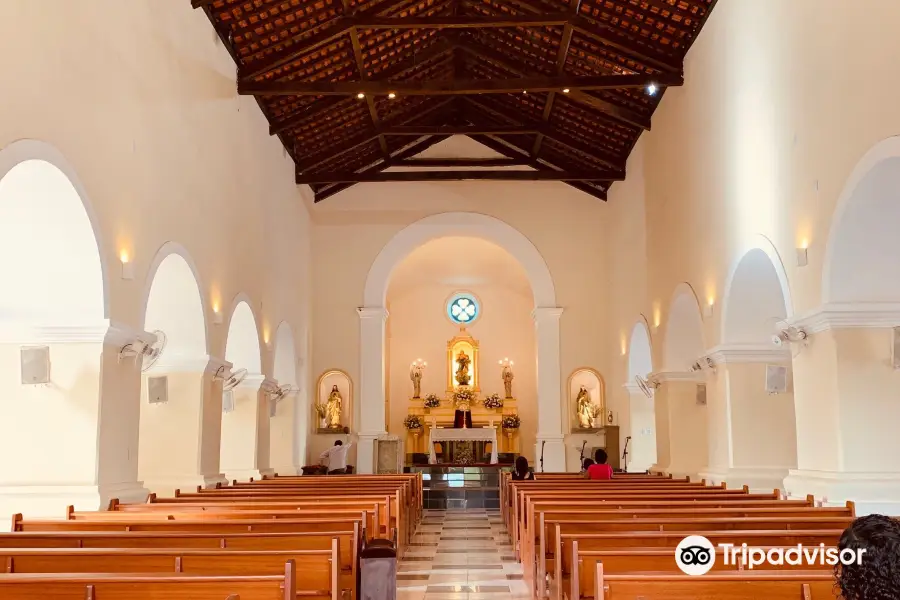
(756,299)
(245,428)
(595,385)
(169,442)
(49,256)
(53,275)
(282,423)
(861,257)
(683,341)
(324,385)
(640,356)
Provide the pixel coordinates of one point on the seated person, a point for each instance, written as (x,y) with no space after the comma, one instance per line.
(877,577)
(521,472)
(599,470)
(586,464)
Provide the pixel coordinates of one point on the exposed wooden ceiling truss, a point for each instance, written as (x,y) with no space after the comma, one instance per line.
(562,88)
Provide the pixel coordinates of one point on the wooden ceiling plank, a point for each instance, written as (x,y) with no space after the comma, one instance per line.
(417,130)
(365,138)
(468,175)
(623,114)
(455,87)
(288,54)
(201,3)
(598,154)
(609,36)
(460,162)
(361,67)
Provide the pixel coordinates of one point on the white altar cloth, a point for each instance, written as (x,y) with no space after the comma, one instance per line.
(446,434)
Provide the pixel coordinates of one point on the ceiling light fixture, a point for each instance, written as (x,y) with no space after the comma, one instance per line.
(360,95)
(566,91)
(392,95)
(651,89)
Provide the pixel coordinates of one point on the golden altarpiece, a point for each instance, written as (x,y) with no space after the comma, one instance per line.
(462,359)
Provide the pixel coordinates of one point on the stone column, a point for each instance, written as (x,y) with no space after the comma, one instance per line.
(245,430)
(845,390)
(642,427)
(549,391)
(681,424)
(752,434)
(371,385)
(178,438)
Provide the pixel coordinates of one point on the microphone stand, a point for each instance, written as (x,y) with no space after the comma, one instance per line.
(625,454)
(543,443)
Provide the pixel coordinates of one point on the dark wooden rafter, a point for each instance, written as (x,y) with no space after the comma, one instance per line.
(456,87)
(459,175)
(581,64)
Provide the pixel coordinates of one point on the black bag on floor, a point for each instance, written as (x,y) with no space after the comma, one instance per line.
(377,579)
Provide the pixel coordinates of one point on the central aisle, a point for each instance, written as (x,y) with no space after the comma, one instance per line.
(461,555)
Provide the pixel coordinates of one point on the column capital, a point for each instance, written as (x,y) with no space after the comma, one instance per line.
(102,331)
(372,312)
(847,315)
(748,353)
(547,313)
(676,376)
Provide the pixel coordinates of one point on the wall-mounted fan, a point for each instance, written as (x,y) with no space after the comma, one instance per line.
(152,352)
(794,338)
(643,385)
(277,395)
(234,379)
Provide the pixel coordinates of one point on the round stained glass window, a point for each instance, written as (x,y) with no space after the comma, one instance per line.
(463,309)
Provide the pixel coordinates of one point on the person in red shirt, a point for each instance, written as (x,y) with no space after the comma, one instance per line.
(599,470)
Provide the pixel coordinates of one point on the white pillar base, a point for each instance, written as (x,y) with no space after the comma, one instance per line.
(244,475)
(167,487)
(52,500)
(554,452)
(210,481)
(758,479)
(870,492)
(365,452)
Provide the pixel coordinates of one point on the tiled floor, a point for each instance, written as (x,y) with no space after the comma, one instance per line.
(461,555)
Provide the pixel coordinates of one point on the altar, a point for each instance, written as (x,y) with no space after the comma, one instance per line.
(482,434)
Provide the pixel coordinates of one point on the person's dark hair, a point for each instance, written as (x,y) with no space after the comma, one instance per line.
(521,465)
(600,456)
(338,443)
(877,577)
(587,462)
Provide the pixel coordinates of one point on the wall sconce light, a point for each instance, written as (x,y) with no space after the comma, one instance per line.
(127,265)
(217,313)
(802,255)
(708,308)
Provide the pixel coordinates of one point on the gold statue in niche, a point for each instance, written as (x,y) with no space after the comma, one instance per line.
(585,409)
(333,409)
(462,369)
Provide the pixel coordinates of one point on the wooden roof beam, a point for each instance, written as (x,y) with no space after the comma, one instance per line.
(621,113)
(454,87)
(486,175)
(613,38)
(418,130)
(460,162)
(201,3)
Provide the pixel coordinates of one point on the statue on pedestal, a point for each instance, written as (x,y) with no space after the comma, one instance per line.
(415,375)
(333,409)
(462,369)
(507,380)
(585,409)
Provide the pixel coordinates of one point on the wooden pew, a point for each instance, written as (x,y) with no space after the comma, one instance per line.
(348,542)
(83,586)
(545,560)
(741,585)
(563,565)
(584,568)
(317,571)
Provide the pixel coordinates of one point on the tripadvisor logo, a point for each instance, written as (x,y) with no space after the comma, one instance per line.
(695,555)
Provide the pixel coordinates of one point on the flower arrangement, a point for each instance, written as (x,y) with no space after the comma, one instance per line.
(463,396)
(511,422)
(493,401)
(321,410)
(412,422)
(432,401)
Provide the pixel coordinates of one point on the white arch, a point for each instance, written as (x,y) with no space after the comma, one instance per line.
(683,341)
(465,224)
(851,199)
(640,356)
(242,347)
(173,301)
(756,292)
(23,156)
